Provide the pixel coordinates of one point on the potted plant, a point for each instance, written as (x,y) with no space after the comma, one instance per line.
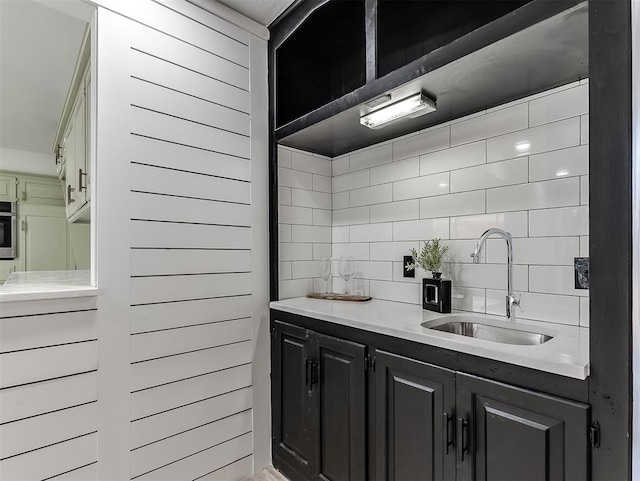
(430,257)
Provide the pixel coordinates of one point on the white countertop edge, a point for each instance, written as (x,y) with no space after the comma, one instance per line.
(577,369)
(37,295)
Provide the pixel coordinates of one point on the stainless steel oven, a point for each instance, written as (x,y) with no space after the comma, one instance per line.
(8,230)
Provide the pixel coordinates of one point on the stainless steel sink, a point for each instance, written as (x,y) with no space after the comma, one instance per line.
(488,332)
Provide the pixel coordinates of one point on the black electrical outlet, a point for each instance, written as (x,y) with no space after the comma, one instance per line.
(405,262)
(581,270)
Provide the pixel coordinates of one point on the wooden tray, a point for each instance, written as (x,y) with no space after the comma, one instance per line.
(332,296)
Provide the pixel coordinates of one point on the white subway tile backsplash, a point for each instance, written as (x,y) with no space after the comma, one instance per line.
(453,204)
(377,194)
(421,229)
(557,251)
(322,183)
(358,250)
(461,250)
(560,105)
(555,280)
(488,276)
(307,233)
(559,163)
(321,217)
(305,269)
(340,234)
(295,252)
(355,215)
(394,211)
(340,166)
(497,174)
(468,299)
(584,190)
(295,215)
(491,124)
(370,158)
(295,288)
(284,232)
(455,158)
(537,307)
(423,143)
(451,181)
(556,135)
(321,250)
(584,129)
(567,221)
(340,200)
(426,186)
(294,178)
(284,158)
(400,170)
(309,198)
(396,291)
(355,180)
(284,270)
(284,195)
(584,311)
(391,251)
(371,232)
(584,246)
(374,270)
(309,163)
(472,226)
(536,195)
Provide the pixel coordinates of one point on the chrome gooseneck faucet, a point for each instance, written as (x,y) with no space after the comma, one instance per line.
(511,301)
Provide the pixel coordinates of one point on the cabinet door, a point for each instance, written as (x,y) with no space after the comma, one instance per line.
(70,175)
(291,358)
(7,188)
(415,405)
(340,406)
(44,239)
(80,151)
(508,433)
(40,191)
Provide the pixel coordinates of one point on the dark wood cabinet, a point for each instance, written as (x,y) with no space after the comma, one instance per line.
(415,414)
(507,433)
(319,405)
(349,410)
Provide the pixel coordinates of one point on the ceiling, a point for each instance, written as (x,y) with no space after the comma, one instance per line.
(38,51)
(262,11)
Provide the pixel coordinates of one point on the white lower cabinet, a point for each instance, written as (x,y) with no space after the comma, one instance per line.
(44,238)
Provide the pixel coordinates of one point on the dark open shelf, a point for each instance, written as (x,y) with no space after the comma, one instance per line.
(537,47)
(408,30)
(321,61)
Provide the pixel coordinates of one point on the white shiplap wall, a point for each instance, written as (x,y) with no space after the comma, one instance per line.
(453,181)
(48,390)
(187,111)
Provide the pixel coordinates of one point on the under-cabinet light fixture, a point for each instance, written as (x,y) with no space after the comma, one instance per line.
(412,106)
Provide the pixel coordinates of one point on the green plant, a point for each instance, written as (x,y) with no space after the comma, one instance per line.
(430,257)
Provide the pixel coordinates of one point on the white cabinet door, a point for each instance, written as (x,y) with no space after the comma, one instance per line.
(40,191)
(44,238)
(79,118)
(7,188)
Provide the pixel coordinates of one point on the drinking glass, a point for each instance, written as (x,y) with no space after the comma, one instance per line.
(325,272)
(346,270)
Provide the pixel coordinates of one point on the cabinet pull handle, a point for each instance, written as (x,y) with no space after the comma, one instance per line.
(24,195)
(463,436)
(311,373)
(69,191)
(447,432)
(80,186)
(24,226)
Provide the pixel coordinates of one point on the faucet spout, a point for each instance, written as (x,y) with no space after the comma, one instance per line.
(511,301)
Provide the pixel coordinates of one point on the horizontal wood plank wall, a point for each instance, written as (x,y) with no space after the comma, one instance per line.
(191,386)
(48,391)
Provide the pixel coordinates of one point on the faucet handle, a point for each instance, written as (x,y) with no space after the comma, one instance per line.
(516,302)
(476,257)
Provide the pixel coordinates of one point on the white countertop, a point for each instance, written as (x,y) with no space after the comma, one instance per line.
(566,354)
(35,285)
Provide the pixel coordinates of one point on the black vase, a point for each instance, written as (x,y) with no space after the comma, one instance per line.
(436,294)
